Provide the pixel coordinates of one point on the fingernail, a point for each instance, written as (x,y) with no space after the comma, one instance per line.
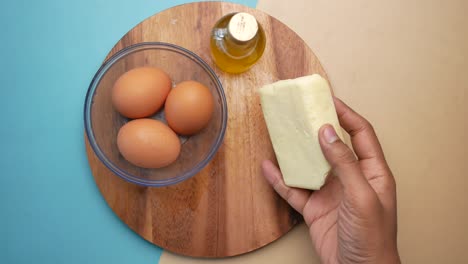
(330,134)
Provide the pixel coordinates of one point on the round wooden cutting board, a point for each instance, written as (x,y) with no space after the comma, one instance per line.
(228,208)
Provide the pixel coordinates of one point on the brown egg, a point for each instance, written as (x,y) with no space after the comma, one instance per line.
(189,107)
(148,143)
(141,92)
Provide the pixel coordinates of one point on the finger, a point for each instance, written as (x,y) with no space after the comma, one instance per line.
(363,137)
(297,198)
(369,151)
(342,160)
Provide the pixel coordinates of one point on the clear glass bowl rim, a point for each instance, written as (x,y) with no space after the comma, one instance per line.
(89,100)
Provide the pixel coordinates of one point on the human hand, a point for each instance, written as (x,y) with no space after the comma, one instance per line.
(352,218)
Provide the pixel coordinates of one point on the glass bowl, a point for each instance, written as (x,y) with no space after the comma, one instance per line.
(102,121)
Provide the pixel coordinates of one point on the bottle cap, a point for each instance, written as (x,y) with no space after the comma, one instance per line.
(243,27)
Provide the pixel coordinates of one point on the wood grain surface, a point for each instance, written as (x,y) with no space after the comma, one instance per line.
(228,208)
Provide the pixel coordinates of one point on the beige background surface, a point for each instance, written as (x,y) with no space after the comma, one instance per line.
(403,65)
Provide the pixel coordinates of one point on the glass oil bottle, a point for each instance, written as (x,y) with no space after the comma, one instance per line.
(237,42)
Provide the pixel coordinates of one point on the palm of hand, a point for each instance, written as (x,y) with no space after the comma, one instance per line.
(325,213)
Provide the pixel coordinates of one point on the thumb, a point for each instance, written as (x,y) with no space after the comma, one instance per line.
(343,163)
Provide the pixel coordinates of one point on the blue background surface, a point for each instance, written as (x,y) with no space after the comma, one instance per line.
(51,210)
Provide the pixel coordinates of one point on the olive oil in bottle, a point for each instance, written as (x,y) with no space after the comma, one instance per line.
(237,42)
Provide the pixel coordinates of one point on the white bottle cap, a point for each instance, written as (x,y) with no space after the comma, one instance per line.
(243,27)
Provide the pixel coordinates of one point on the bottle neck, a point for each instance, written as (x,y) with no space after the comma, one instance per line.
(238,48)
